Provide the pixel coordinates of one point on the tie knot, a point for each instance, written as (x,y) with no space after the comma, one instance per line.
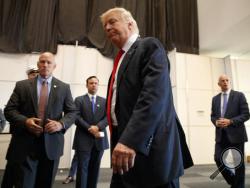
(45,82)
(92,97)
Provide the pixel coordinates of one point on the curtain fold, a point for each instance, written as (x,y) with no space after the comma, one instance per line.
(40,25)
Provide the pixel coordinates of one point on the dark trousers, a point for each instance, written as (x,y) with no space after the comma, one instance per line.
(36,171)
(118,182)
(237,179)
(88,168)
(10,175)
(73,168)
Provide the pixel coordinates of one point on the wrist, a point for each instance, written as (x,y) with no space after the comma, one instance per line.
(231,121)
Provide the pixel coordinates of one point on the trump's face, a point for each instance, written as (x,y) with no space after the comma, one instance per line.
(117,29)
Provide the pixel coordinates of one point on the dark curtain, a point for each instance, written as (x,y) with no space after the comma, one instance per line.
(28,26)
(39,25)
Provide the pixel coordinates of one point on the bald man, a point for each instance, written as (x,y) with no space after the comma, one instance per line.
(229,112)
(40,110)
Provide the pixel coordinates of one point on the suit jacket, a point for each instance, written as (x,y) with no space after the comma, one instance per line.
(2,120)
(147,120)
(83,140)
(23,104)
(237,110)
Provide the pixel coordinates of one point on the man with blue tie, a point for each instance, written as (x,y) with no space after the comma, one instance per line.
(229,112)
(90,139)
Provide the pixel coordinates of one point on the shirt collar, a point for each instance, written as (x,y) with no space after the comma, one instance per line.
(90,96)
(40,79)
(227,92)
(130,42)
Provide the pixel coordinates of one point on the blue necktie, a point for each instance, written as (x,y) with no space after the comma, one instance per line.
(93,103)
(224,106)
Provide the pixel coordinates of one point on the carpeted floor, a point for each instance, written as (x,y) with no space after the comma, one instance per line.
(195,177)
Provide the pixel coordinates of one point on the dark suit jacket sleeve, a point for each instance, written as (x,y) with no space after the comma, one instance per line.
(11,111)
(69,109)
(102,124)
(243,111)
(80,122)
(152,100)
(213,112)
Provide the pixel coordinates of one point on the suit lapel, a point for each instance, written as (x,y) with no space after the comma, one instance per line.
(97,106)
(33,91)
(229,102)
(126,61)
(87,102)
(218,104)
(52,94)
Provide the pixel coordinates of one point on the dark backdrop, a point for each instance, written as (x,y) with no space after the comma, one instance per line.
(40,25)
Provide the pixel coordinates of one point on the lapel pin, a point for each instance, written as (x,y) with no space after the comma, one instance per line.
(55,86)
(98,105)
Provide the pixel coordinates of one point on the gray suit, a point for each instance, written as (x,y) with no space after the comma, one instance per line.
(25,147)
(89,149)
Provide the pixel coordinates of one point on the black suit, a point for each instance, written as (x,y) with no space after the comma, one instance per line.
(25,148)
(232,136)
(147,121)
(89,149)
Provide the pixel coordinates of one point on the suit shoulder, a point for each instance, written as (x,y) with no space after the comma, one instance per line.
(216,96)
(79,97)
(101,98)
(24,82)
(238,93)
(151,44)
(59,82)
(151,41)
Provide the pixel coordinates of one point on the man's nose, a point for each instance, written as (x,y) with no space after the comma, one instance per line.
(108,27)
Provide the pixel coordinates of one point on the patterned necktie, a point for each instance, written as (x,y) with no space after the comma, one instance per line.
(93,103)
(224,106)
(110,90)
(43,102)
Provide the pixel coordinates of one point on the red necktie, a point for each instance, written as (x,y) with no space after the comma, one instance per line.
(110,91)
(43,102)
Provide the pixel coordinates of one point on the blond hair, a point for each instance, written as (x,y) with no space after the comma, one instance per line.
(124,14)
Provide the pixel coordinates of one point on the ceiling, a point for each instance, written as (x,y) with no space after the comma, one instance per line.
(224,28)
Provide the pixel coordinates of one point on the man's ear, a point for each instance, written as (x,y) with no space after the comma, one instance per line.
(130,24)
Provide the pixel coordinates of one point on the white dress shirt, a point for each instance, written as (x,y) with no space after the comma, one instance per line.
(125,48)
(222,99)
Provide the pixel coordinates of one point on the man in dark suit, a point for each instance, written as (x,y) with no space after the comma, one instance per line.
(146,148)
(90,137)
(40,110)
(229,112)
(10,168)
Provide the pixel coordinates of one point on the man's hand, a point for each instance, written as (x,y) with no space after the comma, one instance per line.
(33,125)
(223,122)
(94,130)
(52,126)
(122,158)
